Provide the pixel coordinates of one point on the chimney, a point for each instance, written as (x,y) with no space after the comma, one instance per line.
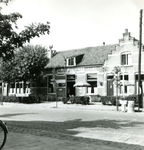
(50,53)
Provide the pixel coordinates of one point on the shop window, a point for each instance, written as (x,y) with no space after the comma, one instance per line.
(92,80)
(126,59)
(93,86)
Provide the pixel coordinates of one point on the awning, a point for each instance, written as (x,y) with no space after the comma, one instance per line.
(81,84)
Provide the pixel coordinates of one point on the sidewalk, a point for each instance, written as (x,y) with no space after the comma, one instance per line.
(32,142)
(18,141)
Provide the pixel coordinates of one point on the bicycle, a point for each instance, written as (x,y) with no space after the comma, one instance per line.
(3,134)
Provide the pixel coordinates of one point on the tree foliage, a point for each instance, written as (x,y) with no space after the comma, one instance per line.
(27,64)
(10,39)
(5,1)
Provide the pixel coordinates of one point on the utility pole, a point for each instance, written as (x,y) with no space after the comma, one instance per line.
(139,58)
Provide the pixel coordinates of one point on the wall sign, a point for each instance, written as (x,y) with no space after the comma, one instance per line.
(70,77)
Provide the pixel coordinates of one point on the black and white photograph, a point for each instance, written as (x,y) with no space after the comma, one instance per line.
(71,75)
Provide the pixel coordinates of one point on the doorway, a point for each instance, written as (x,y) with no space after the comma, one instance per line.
(70,88)
(70,85)
(110,90)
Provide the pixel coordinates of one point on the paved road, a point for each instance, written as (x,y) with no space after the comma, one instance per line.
(70,127)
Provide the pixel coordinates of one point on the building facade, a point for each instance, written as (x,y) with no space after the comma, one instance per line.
(94,65)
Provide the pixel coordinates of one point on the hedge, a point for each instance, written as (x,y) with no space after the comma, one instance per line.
(112,99)
(13,99)
(108,100)
(32,98)
(77,100)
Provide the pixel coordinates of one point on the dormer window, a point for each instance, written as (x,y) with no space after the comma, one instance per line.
(126,58)
(74,60)
(71,61)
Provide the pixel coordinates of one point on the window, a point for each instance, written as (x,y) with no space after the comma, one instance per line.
(125,89)
(71,61)
(92,80)
(126,59)
(12,85)
(124,79)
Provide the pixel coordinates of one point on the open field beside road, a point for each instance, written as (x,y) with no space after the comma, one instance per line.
(95,125)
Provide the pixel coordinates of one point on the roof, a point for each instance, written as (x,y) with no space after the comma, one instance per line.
(91,56)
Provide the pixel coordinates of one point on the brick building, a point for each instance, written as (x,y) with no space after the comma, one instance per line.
(95,65)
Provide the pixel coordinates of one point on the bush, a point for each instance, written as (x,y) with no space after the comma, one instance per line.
(72,100)
(51,97)
(80,100)
(84,100)
(133,97)
(108,100)
(64,100)
(23,99)
(112,99)
(95,98)
(32,98)
(13,99)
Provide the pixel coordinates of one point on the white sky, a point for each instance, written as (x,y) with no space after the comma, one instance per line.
(79,23)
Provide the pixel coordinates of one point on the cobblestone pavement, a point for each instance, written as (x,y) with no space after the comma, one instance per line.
(39,135)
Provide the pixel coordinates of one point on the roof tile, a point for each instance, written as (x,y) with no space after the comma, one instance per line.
(91,56)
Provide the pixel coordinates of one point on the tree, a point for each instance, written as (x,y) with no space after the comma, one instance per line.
(5,1)
(117,82)
(28,64)
(10,39)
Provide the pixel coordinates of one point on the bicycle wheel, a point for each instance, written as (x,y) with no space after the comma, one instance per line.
(3,135)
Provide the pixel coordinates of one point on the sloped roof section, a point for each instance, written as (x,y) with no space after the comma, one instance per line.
(91,56)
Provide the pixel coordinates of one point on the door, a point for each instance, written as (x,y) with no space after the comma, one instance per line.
(109,87)
(70,88)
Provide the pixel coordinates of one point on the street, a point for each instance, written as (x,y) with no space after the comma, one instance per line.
(43,126)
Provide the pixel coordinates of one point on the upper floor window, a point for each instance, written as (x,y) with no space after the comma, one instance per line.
(126,58)
(71,61)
